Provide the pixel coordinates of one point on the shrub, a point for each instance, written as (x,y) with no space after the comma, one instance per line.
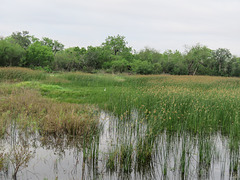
(142,67)
(120,65)
(39,55)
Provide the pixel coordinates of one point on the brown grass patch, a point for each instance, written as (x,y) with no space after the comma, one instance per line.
(31,110)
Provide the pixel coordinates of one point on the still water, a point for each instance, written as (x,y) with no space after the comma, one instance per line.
(174,156)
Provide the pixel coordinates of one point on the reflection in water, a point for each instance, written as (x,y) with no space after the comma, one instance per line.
(117,152)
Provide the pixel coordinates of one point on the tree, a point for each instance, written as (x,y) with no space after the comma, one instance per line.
(70,59)
(53,44)
(142,67)
(173,63)
(94,58)
(22,38)
(116,45)
(39,55)
(121,65)
(233,67)
(197,57)
(150,55)
(10,53)
(222,56)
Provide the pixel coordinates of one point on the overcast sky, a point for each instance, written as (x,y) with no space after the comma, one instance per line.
(159,24)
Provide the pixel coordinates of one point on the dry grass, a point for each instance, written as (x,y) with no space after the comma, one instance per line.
(31,110)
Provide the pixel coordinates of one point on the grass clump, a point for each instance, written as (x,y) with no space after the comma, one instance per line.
(120,159)
(144,152)
(20,74)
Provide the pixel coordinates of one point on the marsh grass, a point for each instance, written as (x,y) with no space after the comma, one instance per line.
(20,74)
(31,110)
(188,110)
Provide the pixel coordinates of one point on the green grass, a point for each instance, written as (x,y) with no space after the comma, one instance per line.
(20,74)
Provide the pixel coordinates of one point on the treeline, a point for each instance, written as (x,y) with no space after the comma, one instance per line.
(114,55)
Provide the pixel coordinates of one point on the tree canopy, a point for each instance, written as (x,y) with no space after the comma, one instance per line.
(38,55)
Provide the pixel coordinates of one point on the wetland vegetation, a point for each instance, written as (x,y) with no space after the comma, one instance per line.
(74,125)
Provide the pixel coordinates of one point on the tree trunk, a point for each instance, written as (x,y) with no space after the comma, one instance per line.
(195,71)
(219,67)
(190,68)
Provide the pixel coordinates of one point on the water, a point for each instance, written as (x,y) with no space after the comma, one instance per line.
(174,156)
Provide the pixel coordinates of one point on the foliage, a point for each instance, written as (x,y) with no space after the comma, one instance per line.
(93,58)
(117,45)
(114,55)
(70,59)
(22,38)
(11,53)
(121,65)
(235,67)
(150,55)
(53,44)
(38,55)
(222,56)
(142,67)
(197,58)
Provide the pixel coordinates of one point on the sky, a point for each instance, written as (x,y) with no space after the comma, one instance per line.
(159,24)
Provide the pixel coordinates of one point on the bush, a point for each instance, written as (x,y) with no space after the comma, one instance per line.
(157,68)
(39,55)
(10,53)
(68,61)
(142,67)
(120,65)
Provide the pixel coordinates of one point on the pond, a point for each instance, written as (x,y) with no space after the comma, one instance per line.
(122,150)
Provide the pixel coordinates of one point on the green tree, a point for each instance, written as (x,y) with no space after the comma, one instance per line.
(150,55)
(168,62)
(11,54)
(53,44)
(94,58)
(121,65)
(70,59)
(142,67)
(117,45)
(198,58)
(39,55)
(80,51)
(173,63)
(22,38)
(233,67)
(222,56)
